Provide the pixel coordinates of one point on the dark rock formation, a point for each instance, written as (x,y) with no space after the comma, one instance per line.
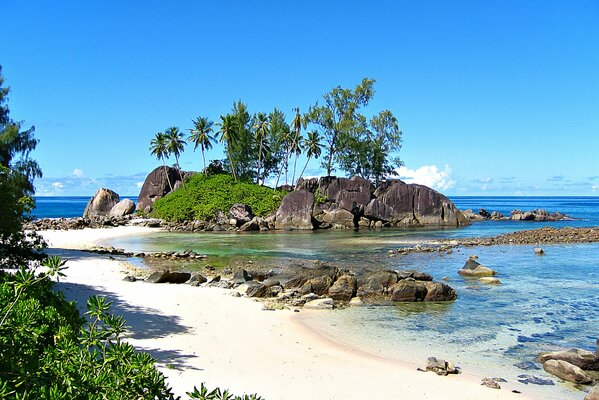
(122,208)
(474,268)
(344,288)
(295,211)
(376,283)
(168,277)
(157,186)
(101,203)
(399,204)
(440,366)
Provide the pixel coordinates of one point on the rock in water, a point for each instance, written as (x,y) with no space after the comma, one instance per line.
(101,203)
(401,204)
(581,358)
(122,208)
(593,394)
(320,304)
(539,251)
(474,268)
(566,371)
(490,383)
(295,211)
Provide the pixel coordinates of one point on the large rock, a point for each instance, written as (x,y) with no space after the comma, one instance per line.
(344,288)
(101,204)
(319,285)
(157,186)
(408,290)
(593,394)
(376,283)
(122,208)
(439,291)
(474,268)
(295,211)
(297,277)
(168,277)
(338,218)
(581,358)
(350,194)
(242,213)
(566,371)
(401,204)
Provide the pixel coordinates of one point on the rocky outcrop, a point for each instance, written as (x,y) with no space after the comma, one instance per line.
(122,208)
(593,394)
(399,204)
(241,213)
(516,215)
(355,203)
(168,277)
(440,366)
(344,288)
(101,203)
(158,184)
(295,211)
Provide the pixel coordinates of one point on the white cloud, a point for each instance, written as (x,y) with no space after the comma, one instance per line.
(57,185)
(485,180)
(594,188)
(78,172)
(139,184)
(428,175)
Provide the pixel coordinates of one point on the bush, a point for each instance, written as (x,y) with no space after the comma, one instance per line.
(47,351)
(202,197)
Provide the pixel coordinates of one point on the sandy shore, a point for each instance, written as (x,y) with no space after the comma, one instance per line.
(206,335)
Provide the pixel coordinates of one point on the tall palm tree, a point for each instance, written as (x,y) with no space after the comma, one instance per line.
(227,131)
(175,145)
(313,148)
(158,148)
(199,135)
(294,143)
(261,129)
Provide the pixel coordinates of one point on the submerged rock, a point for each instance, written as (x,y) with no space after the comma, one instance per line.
(490,383)
(320,304)
(534,380)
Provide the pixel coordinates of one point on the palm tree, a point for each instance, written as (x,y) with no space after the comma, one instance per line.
(199,135)
(261,128)
(227,130)
(158,148)
(294,143)
(313,148)
(175,145)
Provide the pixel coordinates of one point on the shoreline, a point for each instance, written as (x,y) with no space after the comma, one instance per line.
(239,346)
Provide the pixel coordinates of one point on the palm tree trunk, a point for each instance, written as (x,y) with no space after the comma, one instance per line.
(166,176)
(305,165)
(179,170)
(232,166)
(204,160)
(259,159)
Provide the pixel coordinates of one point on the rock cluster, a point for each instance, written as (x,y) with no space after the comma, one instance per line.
(81,222)
(440,366)
(535,236)
(516,215)
(324,286)
(239,218)
(187,254)
(107,203)
(571,365)
(331,202)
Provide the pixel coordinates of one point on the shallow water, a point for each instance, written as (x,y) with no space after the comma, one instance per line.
(544,302)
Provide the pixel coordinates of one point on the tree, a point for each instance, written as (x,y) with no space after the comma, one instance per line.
(200,136)
(243,149)
(313,148)
(17,173)
(227,136)
(295,142)
(175,145)
(261,128)
(280,137)
(386,140)
(338,119)
(158,148)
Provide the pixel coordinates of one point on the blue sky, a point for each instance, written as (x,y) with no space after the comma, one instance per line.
(494,98)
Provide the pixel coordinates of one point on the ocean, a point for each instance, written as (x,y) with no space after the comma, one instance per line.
(544,303)
(63,206)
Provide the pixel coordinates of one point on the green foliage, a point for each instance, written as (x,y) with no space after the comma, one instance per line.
(203,197)
(47,351)
(17,172)
(203,394)
(354,144)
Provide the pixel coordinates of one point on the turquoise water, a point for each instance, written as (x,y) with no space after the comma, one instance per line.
(544,302)
(63,206)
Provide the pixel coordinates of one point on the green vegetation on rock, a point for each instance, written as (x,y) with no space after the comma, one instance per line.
(202,197)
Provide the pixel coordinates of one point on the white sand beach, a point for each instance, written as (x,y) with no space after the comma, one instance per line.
(206,335)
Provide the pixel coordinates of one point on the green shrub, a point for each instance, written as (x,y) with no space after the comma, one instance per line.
(47,351)
(204,394)
(202,197)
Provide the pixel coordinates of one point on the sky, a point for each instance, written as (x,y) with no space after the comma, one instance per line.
(493,97)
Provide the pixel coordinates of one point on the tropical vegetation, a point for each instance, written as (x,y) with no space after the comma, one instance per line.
(261,146)
(203,197)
